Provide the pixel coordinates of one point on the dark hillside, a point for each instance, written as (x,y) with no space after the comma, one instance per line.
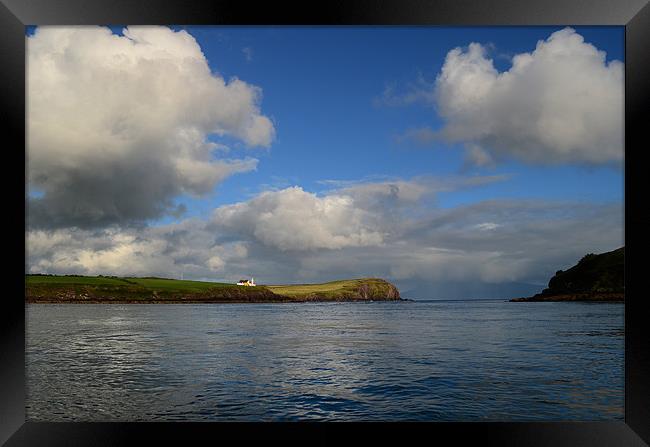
(594,278)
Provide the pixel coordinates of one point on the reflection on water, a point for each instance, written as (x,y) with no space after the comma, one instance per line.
(487,360)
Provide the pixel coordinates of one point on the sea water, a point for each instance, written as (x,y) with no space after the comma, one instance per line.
(389,361)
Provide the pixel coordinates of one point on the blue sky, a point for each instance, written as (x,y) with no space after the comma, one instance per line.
(345,106)
(319,85)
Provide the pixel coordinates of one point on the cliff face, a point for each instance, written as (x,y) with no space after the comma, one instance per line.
(595,278)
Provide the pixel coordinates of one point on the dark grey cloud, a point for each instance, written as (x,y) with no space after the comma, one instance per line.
(497,246)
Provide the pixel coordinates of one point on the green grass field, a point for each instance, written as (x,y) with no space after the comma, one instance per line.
(177,284)
(158,284)
(80,280)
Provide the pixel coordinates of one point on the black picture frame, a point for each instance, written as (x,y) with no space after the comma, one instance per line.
(633,14)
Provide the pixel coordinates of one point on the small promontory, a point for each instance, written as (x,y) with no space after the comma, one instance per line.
(131,290)
(365,289)
(595,278)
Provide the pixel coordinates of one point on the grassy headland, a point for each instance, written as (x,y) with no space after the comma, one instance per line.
(112,289)
(350,289)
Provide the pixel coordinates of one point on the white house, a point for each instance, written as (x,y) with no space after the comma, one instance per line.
(247,282)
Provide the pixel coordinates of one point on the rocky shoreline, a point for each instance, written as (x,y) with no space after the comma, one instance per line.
(594,297)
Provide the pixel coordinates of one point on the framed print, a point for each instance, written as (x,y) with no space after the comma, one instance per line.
(273,219)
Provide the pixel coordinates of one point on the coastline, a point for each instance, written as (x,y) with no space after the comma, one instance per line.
(587,297)
(93,290)
(207,301)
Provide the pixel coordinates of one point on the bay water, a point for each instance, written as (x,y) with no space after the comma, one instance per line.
(486,360)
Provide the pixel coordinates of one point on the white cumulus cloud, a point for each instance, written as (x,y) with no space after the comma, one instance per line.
(119,125)
(293,219)
(561,103)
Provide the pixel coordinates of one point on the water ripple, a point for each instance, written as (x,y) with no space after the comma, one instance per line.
(379,361)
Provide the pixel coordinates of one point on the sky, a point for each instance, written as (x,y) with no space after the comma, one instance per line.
(456,162)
